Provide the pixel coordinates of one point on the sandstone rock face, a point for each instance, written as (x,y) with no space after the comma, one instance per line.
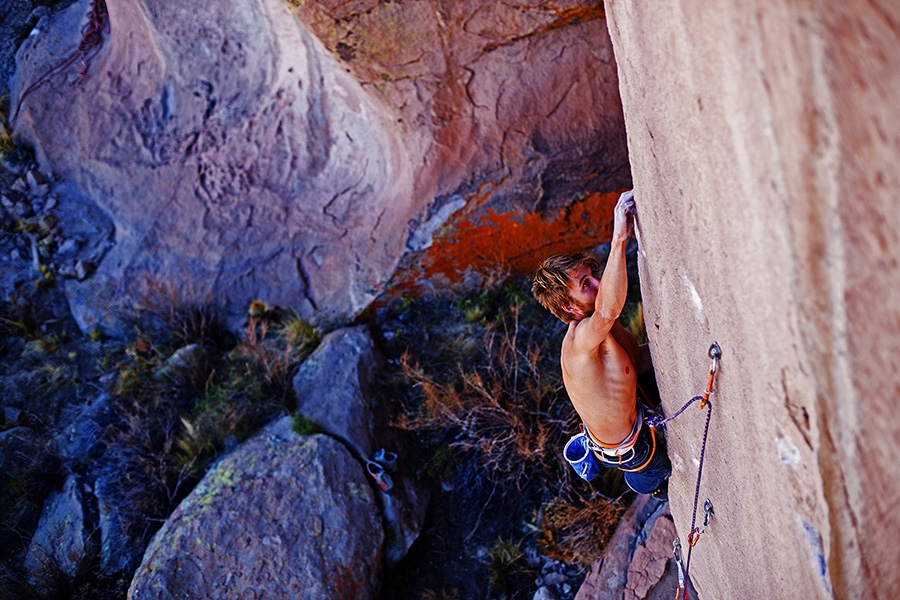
(237,158)
(284,516)
(764,142)
(522,93)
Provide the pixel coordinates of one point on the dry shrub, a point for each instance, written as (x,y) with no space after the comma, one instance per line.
(577,531)
(271,358)
(509,408)
(508,567)
(176,414)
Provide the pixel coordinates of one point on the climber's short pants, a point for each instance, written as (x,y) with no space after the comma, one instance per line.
(646,464)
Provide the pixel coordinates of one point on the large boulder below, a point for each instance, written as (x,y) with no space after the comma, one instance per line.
(764,142)
(284,516)
(239,157)
(335,389)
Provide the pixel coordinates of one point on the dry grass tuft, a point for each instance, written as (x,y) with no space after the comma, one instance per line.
(508,408)
(578,531)
(190,392)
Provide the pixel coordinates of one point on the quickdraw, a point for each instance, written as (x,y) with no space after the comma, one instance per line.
(715,353)
(707,517)
(676,552)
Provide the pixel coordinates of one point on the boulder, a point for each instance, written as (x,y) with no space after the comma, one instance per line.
(123,537)
(79,439)
(764,141)
(404,514)
(61,545)
(335,390)
(334,387)
(283,516)
(239,159)
(234,155)
(651,560)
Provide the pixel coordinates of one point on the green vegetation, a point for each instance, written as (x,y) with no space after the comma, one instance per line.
(180,408)
(7,144)
(303,426)
(509,571)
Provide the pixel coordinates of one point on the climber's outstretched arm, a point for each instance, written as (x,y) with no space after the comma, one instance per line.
(613,286)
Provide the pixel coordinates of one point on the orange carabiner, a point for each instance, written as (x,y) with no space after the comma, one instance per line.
(715,353)
(693,537)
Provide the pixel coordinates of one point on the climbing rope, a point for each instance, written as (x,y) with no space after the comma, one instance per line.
(715,353)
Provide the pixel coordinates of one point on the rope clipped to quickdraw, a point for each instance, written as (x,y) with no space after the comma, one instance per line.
(715,353)
(91,42)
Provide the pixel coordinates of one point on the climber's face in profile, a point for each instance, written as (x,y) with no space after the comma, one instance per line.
(583,288)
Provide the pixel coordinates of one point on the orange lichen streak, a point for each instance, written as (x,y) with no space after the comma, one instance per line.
(496,245)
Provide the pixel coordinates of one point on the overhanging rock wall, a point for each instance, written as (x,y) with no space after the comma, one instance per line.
(764,143)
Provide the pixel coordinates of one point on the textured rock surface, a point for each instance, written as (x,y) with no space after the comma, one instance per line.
(637,563)
(284,516)
(651,557)
(238,159)
(523,94)
(334,387)
(764,142)
(61,544)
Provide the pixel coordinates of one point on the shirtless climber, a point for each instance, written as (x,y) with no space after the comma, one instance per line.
(601,359)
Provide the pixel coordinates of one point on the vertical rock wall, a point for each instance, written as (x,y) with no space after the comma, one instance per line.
(764,141)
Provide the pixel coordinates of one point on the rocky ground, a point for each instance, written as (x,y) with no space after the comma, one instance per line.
(481,539)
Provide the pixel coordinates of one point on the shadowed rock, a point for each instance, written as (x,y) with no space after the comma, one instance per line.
(334,388)
(637,563)
(61,545)
(284,516)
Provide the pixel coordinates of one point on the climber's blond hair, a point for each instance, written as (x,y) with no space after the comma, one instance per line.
(550,283)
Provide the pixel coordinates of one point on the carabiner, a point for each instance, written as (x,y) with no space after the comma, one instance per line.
(715,353)
(676,552)
(693,537)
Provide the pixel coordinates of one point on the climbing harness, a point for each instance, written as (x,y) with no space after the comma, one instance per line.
(715,353)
